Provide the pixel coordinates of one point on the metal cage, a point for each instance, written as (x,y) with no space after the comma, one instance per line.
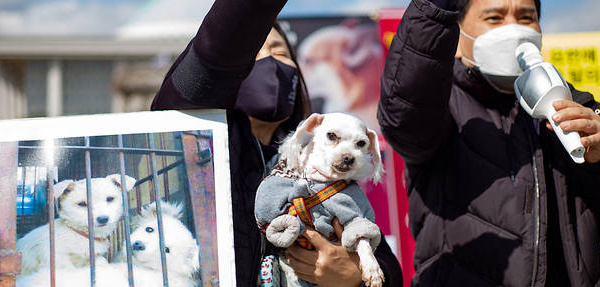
(172,166)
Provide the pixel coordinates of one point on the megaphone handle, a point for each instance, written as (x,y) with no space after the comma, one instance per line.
(571,141)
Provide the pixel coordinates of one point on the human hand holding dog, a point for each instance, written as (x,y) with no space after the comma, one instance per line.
(575,117)
(327,265)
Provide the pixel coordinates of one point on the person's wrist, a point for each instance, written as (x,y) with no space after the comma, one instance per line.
(359,282)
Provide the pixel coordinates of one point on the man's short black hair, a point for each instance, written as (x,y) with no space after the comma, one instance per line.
(463,6)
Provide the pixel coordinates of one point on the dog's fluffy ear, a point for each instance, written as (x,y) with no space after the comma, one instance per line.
(116,180)
(149,210)
(375,155)
(172,209)
(293,145)
(167,208)
(63,187)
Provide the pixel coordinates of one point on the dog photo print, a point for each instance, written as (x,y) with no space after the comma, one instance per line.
(139,199)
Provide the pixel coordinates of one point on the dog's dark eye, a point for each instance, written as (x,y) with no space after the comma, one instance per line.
(149,229)
(361,143)
(331,136)
(82,204)
(110,199)
(167,250)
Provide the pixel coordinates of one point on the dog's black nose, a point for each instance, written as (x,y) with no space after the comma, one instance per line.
(102,219)
(138,245)
(348,159)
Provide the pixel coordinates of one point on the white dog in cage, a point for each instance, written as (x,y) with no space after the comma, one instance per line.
(71,228)
(181,249)
(181,253)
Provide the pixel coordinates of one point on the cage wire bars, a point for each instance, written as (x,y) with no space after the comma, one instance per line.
(203,156)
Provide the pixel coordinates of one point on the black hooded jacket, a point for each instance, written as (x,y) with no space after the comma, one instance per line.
(494,199)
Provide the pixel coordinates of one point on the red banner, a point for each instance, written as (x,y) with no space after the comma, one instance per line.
(388,21)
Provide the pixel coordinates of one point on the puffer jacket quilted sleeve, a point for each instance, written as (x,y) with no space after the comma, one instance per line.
(413,110)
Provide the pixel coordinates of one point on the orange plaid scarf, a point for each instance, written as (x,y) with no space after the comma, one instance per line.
(302,207)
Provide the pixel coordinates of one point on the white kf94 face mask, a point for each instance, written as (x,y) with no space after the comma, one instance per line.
(494,53)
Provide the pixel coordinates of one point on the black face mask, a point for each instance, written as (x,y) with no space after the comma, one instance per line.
(269,92)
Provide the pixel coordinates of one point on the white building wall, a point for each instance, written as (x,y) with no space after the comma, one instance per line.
(54,88)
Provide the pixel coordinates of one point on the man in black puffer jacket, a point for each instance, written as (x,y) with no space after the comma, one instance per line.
(494,198)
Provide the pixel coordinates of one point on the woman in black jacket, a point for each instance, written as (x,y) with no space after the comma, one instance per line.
(211,73)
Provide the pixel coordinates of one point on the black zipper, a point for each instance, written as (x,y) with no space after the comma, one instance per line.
(263,243)
(536,209)
(511,165)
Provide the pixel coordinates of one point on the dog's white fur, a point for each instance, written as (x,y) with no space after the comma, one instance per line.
(309,149)
(71,242)
(317,150)
(182,259)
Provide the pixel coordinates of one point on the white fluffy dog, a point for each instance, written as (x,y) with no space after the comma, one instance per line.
(71,228)
(181,253)
(326,150)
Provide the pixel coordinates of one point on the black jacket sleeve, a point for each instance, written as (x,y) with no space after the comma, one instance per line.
(208,73)
(415,87)
(389,265)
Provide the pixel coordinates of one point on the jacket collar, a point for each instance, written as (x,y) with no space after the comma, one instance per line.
(471,81)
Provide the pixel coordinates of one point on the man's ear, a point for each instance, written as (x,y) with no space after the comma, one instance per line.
(464,48)
(292,146)
(375,155)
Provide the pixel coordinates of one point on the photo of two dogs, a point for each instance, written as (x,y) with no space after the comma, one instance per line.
(71,240)
(321,162)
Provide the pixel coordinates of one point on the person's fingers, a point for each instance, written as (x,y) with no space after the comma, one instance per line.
(301,254)
(304,271)
(299,265)
(591,141)
(572,113)
(337,228)
(592,144)
(561,104)
(589,127)
(316,239)
(549,126)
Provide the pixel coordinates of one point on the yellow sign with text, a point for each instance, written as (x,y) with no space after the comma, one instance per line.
(576,58)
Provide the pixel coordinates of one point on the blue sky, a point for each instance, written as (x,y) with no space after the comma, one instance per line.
(60,17)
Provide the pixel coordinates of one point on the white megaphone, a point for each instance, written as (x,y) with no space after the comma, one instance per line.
(539,86)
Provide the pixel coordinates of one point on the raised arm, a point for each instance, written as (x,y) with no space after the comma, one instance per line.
(208,73)
(416,83)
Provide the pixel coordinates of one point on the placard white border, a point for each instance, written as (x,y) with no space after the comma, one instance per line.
(150,122)
(110,124)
